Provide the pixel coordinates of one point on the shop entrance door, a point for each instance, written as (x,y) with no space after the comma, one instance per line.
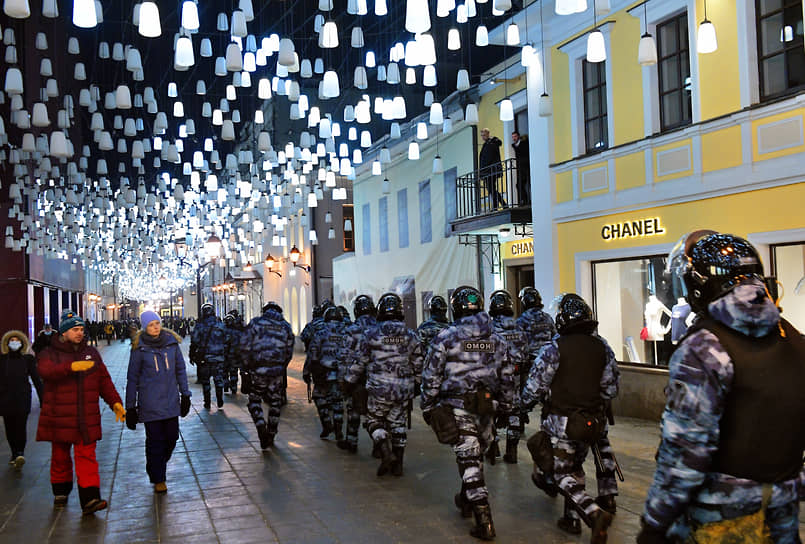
(519,277)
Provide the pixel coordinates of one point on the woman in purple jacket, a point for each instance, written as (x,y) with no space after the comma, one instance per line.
(156,393)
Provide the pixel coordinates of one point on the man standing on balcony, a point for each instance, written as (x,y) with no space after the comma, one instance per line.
(520,146)
(489,167)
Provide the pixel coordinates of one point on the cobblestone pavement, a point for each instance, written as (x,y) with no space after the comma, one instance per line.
(223,488)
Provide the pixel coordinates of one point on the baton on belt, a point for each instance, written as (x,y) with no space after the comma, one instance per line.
(309,393)
(599,462)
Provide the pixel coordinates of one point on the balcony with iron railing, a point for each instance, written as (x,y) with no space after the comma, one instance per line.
(492,197)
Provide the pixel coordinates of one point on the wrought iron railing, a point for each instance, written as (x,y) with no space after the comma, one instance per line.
(492,189)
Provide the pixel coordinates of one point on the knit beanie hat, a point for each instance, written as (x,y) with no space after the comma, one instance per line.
(68,320)
(147,317)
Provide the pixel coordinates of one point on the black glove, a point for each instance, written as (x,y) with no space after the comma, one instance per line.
(246,383)
(427,417)
(306,378)
(131,418)
(501,421)
(184,405)
(417,389)
(650,535)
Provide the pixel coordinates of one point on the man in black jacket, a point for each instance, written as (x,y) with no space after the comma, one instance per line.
(489,167)
(520,146)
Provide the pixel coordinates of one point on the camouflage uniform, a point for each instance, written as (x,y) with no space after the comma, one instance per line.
(209,341)
(356,330)
(517,344)
(569,455)
(539,328)
(462,359)
(310,330)
(328,348)
(390,358)
(684,492)
(233,356)
(428,330)
(267,347)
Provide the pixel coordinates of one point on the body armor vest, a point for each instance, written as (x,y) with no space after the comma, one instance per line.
(761,429)
(577,383)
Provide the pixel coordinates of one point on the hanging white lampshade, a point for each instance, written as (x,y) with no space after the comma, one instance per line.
(596,48)
(413,151)
(417,16)
(706,41)
(18,9)
(228,131)
(360,79)
(429,76)
(190,15)
(513,34)
(330,84)
(239,24)
(601,7)
(545,105)
(421,131)
(428,98)
(463,80)
(39,116)
(285,56)
(370,59)
(647,50)
(72,45)
(184,52)
(328,38)
(386,186)
(506,110)
(234,60)
(357,40)
(150,26)
(50,9)
(569,7)
(453,39)
(178,109)
(85,14)
(436,115)
(393,74)
(13,84)
(471,114)
(381,8)
(399,108)
(438,165)
(123,97)
(481,36)
(58,144)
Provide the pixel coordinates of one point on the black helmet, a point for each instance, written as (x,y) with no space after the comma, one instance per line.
(466,301)
(344,313)
(363,305)
(574,313)
(332,314)
(229,320)
(390,307)
(235,314)
(530,298)
(207,310)
(326,303)
(500,303)
(438,308)
(276,307)
(716,263)
(318,311)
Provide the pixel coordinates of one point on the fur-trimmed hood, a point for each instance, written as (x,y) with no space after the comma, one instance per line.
(26,344)
(135,340)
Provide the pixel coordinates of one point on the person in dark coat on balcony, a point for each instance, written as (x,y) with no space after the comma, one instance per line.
(17,365)
(520,146)
(489,167)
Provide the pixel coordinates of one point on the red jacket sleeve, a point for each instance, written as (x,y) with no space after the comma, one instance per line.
(50,368)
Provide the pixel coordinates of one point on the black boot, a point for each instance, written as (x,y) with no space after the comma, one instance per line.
(511,451)
(376,450)
(397,467)
(387,458)
(266,438)
(541,482)
(61,492)
(327,428)
(91,500)
(493,453)
(219,395)
(607,502)
(569,525)
(484,528)
(600,522)
(463,504)
(206,399)
(339,434)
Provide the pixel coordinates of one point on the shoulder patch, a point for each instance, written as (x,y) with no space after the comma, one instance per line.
(395,340)
(478,346)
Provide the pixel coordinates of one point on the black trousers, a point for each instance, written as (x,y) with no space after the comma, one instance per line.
(16,432)
(160,439)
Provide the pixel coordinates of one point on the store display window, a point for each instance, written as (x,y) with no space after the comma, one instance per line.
(788,265)
(641,311)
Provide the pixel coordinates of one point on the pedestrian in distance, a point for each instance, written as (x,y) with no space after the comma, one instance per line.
(42,339)
(489,167)
(17,372)
(156,393)
(74,378)
(730,463)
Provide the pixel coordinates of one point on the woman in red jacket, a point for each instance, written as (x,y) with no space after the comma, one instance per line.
(74,376)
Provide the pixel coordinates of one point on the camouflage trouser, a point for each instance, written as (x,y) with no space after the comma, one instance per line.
(328,401)
(476,433)
(211,370)
(353,421)
(605,475)
(231,376)
(266,389)
(386,419)
(568,460)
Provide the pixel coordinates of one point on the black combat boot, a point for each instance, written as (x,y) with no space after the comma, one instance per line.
(397,467)
(376,450)
(326,429)
(91,500)
(550,488)
(207,399)
(484,528)
(569,523)
(511,451)
(600,522)
(463,504)
(339,435)
(493,453)
(219,395)
(266,438)
(387,458)
(607,502)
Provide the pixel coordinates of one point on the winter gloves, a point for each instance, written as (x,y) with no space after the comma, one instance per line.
(120,413)
(184,405)
(131,419)
(81,366)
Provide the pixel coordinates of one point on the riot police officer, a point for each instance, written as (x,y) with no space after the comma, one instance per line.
(466,382)
(355,403)
(501,309)
(536,323)
(208,346)
(234,329)
(267,347)
(437,322)
(389,357)
(328,348)
(573,377)
(730,460)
